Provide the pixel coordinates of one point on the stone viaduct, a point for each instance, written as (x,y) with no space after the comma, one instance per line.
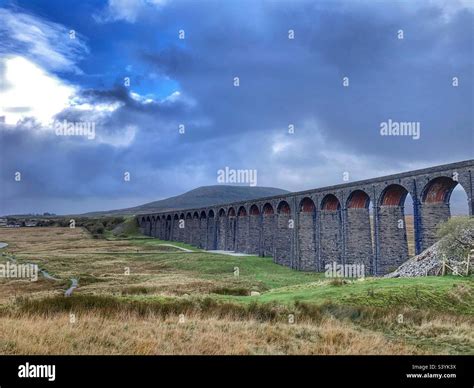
(309,229)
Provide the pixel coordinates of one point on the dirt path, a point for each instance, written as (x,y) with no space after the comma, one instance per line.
(175,246)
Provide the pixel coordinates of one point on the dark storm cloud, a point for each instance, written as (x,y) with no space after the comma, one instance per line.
(285,81)
(282,82)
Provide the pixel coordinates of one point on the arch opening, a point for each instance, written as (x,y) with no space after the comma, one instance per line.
(330,203)
(393,195)
(358,199)
(242,212)
(438,190)
(307,205)
(268,209)
(283,208)
(254,210)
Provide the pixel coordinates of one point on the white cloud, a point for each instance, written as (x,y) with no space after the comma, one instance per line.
(126,10)
(30,91)
(142,99)
(46,43)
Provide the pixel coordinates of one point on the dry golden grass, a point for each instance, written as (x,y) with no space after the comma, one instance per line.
(91,334)
(410,234)
(99,264)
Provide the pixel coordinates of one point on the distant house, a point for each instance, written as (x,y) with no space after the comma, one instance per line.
(31,223)
(3,222)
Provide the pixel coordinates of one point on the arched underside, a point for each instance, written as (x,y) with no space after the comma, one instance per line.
(358,200)
(393,195)
(330,203)
(231,212)
(268,209)
(254,210)
(242,212)
(438,190)
(283,208)
(307,205)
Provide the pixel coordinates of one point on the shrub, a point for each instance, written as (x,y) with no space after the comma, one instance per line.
(457,237)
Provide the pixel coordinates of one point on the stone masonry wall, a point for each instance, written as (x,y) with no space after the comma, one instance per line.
(393,245)
(358,238)
(330,238)
(254,235)
(269,229)
(431,216)
(242,235)
(307,243)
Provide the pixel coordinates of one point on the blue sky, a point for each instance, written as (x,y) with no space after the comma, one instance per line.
(47,77)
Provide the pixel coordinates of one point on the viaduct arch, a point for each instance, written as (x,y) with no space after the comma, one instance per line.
(358,222)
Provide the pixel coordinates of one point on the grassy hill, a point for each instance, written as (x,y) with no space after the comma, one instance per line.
(200,197)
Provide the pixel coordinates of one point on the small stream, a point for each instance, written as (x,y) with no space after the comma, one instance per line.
(74,284)
(46,275)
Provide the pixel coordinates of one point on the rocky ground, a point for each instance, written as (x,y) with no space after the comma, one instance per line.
(430,262)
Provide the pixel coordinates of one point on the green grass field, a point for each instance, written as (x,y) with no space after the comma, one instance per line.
(396,316)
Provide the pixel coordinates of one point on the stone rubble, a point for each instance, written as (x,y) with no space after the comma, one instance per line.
(429,262)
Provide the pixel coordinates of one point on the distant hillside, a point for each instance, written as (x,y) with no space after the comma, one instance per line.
(200,197)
